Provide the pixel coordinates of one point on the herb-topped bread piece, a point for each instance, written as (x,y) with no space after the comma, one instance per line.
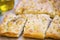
(36,26)
(35,7)
(54,29)
(12,26)
(56,6)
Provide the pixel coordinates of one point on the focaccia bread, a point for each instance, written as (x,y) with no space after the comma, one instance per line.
(56,6)
(7,17)
(12,26)
(36,26)
(54,29)
(35,7)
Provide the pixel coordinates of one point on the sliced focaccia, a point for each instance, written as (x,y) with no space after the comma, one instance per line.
(56,6)
(3,26)
(35,7)
(54,29)
(36,26)
(13,27)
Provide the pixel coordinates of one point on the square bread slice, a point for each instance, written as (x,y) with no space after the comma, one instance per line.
(54,29)
(35,7)
(6,18)
(36,26)
(12,26)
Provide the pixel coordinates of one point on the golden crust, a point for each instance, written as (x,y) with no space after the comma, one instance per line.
(9,34)
(34,35)
(51,35)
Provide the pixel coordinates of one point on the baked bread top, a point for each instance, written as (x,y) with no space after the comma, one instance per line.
(12,25)
(36,26)
(35,7)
